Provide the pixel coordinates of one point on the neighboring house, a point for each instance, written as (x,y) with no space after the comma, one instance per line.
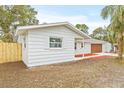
(51,43)
(96,46)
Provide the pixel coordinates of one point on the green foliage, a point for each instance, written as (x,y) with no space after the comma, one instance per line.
(105,34)
(8,37)
(116,14)
(99,33)
(12,14)
(83,27)
(112,35)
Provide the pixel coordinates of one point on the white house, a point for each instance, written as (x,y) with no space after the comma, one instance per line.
(50,43)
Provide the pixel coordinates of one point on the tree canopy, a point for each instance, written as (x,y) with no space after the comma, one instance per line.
(12,16)
(105,34)
(99,33)
(83,27)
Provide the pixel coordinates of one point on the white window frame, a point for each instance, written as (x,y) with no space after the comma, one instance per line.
(56,43)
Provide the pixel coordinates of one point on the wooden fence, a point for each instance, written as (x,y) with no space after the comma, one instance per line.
(10,52)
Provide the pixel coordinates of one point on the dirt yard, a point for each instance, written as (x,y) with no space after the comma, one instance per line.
(97,72)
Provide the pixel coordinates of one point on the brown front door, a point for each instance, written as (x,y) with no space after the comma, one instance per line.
(96,48)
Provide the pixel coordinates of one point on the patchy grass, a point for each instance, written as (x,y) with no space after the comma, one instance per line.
(96,72)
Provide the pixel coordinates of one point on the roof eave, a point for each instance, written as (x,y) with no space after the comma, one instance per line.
(24,28)
(78,31)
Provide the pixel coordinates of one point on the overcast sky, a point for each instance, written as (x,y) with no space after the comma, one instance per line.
(75,14)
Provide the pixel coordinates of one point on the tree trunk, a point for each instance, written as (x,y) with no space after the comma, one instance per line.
(120,45)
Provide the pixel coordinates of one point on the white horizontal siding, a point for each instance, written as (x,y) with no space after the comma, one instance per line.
(87,48)
(47,62)
(51,52)
(50,60)
(38,45)
(50,57)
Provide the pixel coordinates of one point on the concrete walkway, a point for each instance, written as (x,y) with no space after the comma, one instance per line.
(108,54)
(98,54)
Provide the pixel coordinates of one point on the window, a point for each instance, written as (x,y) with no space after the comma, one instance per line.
(55,42)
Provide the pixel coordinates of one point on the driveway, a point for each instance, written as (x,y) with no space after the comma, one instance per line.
(102,71)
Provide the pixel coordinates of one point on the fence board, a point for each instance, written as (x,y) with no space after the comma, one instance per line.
(10,52)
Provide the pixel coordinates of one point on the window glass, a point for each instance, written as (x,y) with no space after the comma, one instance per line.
(55,42)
